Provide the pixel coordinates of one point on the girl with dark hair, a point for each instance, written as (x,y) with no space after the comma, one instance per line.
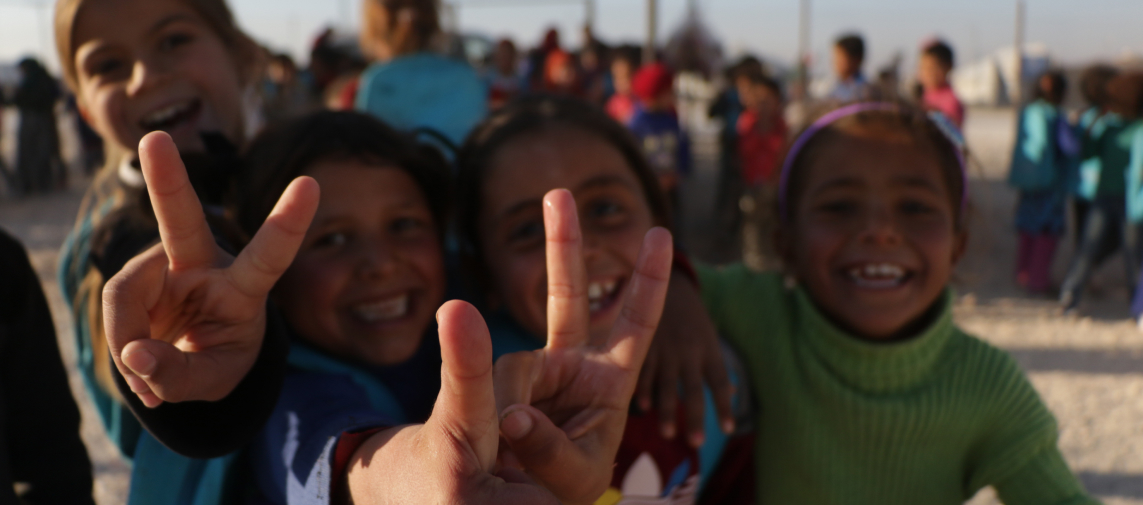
(1041,161)
(508,164)
(1093,123)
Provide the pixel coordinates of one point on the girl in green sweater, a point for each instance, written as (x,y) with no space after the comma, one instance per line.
(867,391)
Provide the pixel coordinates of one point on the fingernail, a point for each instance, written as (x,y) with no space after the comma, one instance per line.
(669,431)
(516,425)
(697,439)
(136,384)
(142,362)
(728,427)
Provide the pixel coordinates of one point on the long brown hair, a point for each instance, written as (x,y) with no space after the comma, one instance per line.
(385,22)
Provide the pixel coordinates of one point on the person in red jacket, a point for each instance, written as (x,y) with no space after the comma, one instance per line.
(761,136)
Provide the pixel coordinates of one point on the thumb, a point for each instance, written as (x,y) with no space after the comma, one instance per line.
(466,405)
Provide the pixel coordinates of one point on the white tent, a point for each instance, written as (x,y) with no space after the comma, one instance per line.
(990,81)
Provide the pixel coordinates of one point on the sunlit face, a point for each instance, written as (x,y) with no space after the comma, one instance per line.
(873,237)
(613,211)
(146,65)
(621,76)
(370,274)
(932,73)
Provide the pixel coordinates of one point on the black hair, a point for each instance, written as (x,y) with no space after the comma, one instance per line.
(1125,95)
(746,66)
(906,118)
(529,116)
(1057,87)
(942,52)
(853,45)
(761,79)
(1093,83)
(285,151)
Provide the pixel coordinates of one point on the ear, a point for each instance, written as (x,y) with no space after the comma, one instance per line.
(960,246)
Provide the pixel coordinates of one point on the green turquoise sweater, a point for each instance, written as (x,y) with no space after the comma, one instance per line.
(930,420)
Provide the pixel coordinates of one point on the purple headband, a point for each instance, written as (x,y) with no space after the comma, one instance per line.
(943,124)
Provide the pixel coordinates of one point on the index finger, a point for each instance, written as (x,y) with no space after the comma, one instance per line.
(643,302)
(182,226)
(567,275)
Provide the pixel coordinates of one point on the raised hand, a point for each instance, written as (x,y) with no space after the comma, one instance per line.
(685,352)
(452,457)
(564,408)
(185,320)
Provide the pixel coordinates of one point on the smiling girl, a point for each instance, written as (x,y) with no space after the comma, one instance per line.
(867,391)
(509,163)
(136,66)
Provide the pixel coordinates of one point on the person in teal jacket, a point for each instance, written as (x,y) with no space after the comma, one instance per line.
(1107,227)
(409,87)
(1085,174)
(1044,147)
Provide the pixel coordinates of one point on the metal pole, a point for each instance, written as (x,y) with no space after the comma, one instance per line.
(804,47)
(1018,87)
(649,51)
(589,15)
(345,22)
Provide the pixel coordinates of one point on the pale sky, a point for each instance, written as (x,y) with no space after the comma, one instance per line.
(1073,30)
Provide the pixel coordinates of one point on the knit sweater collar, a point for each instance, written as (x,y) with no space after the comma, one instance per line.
(875,367)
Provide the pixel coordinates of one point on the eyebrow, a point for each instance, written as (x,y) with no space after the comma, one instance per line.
(594,182)
(169,20)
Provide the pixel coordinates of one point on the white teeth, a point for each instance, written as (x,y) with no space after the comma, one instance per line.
(877,275)
(594,291)
(384,310)
(166,114)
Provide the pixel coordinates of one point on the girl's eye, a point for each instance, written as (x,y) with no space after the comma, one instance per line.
(839,207)
(407,224)
(528,230)
(915,208)
(331,240)
(106,67)
(605,208)
(175,40)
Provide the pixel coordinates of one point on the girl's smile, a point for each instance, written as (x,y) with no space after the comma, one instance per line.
(873,235)
(165,70)
(369,275)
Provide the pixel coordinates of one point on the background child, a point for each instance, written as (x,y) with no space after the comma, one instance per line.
(1107,228)
(621,106)
(656,126)
(761,137)
(848,59)
(1040,167)
(501,222)
(1093,87)
(503,77)
(937,60)
(408,86)
(867,391)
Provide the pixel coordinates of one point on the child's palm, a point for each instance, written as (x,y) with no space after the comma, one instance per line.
(185,320)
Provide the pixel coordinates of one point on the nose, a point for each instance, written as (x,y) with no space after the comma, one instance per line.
(881,228)
(146,74)
(375,260)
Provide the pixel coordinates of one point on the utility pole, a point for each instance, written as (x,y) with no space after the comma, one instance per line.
(1017,90)
(345,21)
(804,48)
(589,15)
(650,54)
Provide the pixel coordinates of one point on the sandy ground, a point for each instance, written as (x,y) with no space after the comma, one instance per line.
(1088,368)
